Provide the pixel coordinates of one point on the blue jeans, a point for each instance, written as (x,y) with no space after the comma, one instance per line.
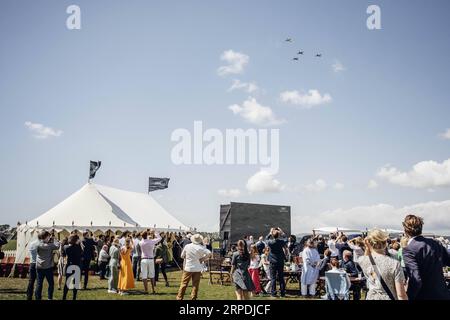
(48,275)
(136,266)
(31,281)
(277,273)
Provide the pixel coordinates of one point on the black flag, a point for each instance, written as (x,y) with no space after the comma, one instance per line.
(95,165)
(157,184)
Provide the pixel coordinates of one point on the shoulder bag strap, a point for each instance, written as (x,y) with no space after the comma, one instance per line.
(383,283)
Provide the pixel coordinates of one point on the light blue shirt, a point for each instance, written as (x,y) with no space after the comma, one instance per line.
(33,250)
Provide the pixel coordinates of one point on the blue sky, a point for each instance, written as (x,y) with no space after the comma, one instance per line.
(138,70)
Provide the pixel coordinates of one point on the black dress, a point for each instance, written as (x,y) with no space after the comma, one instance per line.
(241,276)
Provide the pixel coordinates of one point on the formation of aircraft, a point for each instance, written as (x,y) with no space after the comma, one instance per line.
(301,52)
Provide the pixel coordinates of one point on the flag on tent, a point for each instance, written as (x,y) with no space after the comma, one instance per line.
(157,184)
(95,165)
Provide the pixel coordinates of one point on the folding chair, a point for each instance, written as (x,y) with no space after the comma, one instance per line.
(337,285)
(215,269)
(7,267)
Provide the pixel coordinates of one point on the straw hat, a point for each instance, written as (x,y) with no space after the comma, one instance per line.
(197,239)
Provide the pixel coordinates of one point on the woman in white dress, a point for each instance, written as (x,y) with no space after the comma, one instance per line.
(310,272)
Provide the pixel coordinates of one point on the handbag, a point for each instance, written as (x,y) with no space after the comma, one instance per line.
(380,278)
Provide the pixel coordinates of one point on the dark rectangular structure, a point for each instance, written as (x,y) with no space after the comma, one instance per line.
(240,219)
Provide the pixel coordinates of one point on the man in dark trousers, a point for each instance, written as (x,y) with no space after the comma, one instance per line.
(277,256)
(88,245)
(342,245)
(424,261)
(32,248)
(350,267)
(260,245)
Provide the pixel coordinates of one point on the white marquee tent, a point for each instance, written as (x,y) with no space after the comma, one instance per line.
(98,209)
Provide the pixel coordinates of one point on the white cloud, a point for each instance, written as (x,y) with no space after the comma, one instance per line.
(435,216)
(372,184)
(425,174)
(338,66)
(248,87)
(42,132)
(445,135)
(229,193)
(306,100)
(317,186)
(338,186)
(236,63)
(263,181)
(255,113)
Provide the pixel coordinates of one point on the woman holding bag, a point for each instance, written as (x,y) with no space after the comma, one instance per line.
(384,274)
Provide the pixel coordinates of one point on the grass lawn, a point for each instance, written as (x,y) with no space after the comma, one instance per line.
(15,289)
(11,245)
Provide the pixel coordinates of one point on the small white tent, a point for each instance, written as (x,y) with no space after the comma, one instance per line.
(98,208)
(326,230)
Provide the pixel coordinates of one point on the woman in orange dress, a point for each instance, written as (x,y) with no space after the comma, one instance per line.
(126,278)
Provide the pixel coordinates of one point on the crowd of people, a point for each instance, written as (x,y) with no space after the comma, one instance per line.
(410,267)
(121,260)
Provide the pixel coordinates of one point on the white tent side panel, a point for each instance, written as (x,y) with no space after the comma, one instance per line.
(25,235)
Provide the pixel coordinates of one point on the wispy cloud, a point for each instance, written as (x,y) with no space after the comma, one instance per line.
(249,87)
(305,100)
(372,184)
(445,135)
(40,131)
(338,186)
(263,181)
(229,193)
(435,215)
(255,113)
(338,66)
(318,186)
(425,174)
(236,62)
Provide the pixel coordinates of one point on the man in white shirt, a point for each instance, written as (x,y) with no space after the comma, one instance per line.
(332,246)
(147,244)
(194,254)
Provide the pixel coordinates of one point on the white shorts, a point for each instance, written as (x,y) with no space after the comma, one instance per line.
(147,268)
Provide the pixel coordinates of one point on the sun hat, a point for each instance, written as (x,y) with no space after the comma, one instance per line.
(197,239)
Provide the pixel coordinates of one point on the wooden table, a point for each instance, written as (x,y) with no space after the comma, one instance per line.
(226,266)
(292,276)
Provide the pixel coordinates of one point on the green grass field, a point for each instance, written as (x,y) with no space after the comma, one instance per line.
(11,245)
(15,289)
